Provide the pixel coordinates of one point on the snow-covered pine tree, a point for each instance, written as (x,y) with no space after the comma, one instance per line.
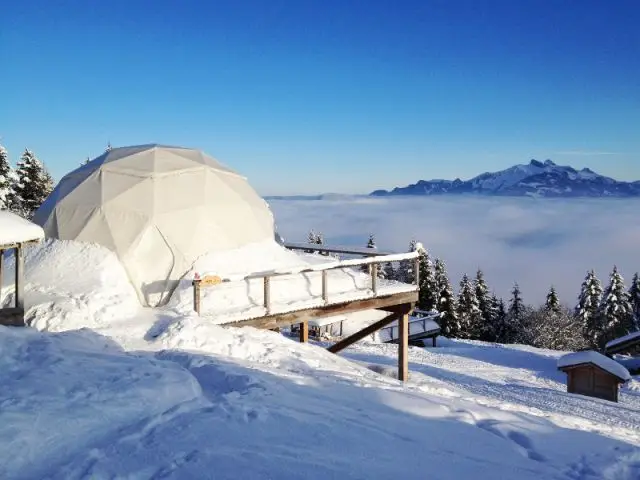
(588,306)
(405,269)
(484,304)
(311,239)
(495,320)
(7,180)
(514,324)
(441,280)
(320,241)
(449,321)
(552,303)
(427,286)
(33,185)
(371,243)
(390,271)
(468,310)
(634,298)
(615,310)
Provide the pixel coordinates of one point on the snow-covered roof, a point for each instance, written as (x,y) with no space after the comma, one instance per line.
(589,356)
(15,229)
(625,339)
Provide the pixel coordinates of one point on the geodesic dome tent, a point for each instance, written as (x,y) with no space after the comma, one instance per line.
(158,208)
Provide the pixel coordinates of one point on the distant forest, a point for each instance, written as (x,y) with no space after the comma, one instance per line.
(477,313)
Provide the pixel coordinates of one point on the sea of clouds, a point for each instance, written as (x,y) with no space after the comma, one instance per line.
(535,242)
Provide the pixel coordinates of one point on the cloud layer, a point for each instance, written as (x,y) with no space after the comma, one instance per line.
(535,242)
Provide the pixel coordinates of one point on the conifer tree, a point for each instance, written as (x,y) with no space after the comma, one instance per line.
(484,304)
(390,271)
(7,180)
(372,242)
(495,321)
(468,310)
(588,307)
(514,321)
(427,286)
(33,185)
(449,321)
(634,298)
(615,310)
(552,303)
(441,280)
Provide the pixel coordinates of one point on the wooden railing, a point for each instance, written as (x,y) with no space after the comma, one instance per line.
(373,260)
(423,321)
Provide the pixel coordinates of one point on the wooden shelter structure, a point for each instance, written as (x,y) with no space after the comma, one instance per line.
(397,304)
(629,344)
(592,374)
(15,234)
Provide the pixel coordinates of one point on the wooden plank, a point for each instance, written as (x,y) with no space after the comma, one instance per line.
(304,332)
(12,317)
(19,271)
(401,307)
(365,252)
(350,340)
(374,278)
(403,348)
(290,318)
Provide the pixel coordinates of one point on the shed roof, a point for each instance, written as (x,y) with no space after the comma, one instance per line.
(621,343)
(15,229)
(597,359)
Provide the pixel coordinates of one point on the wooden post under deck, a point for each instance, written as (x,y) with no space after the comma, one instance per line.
(196,295)
(403,347)
(304,332)
(19,271)
(1,271)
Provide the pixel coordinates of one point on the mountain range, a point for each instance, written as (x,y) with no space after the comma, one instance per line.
(537,179)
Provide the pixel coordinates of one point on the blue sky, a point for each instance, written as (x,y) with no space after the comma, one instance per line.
(327,96)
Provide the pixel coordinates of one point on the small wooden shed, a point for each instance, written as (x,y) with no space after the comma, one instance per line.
(15,234)
(592,374)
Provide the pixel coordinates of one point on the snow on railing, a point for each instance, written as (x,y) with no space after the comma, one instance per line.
(374,261)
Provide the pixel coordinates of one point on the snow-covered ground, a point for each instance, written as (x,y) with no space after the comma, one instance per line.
(109,390)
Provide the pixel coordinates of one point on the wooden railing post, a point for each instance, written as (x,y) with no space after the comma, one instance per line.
(267,294)
(325,293)
(374,278)
(416,269)
(196,294)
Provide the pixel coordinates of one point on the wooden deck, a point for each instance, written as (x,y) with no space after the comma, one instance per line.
(398,305)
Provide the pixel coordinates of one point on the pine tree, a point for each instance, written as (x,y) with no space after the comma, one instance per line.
(468,310)
(634,298)
(372,242)
(34,183)
(427,286)
(588,307)
(390,272)
(615,310)
(7,180)
(405,270)
(484,304)
(494,323)
(449,321)
(552,303)
(514,322)
(441,280)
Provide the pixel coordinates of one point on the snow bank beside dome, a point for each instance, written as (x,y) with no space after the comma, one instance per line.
(71,285)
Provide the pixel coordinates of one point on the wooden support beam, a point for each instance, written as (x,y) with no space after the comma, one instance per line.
(304,332)
(400,308)
(374,278)
(19,271)
(291,318)
(403,348)
(350,340)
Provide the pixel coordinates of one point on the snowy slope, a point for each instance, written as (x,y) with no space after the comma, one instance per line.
(160,393)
